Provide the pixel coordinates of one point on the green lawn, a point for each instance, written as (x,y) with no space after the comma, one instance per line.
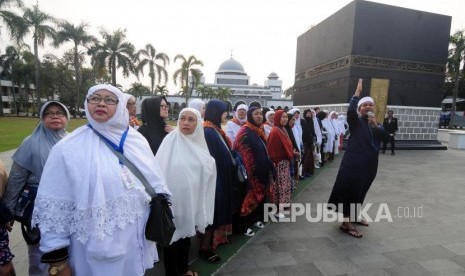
(14,129)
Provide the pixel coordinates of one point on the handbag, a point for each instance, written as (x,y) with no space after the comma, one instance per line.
(241,172)
(160,226)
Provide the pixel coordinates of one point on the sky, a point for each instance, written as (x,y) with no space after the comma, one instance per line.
(260,34)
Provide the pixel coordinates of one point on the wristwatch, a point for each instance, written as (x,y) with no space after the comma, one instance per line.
(54,270)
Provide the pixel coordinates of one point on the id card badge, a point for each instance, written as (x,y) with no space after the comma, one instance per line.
(127,178)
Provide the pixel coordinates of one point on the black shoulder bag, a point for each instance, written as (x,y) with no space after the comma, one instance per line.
(160,226)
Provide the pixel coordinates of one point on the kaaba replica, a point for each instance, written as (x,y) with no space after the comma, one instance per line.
(400,53)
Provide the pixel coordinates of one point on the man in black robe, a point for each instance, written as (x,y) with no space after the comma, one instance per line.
(360,162)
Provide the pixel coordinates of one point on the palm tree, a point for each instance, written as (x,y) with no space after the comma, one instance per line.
(138,89)
(113,53)
(206,92)
(186,72)
(150,58)
(223,93)
(456,56)
(79,37)
(11,63)
(36,21)
(13,22)
(162,90)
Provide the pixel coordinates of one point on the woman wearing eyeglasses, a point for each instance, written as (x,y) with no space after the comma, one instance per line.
(154,112)
(28,163)
(91,207)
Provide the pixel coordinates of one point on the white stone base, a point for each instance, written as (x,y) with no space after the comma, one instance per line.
(457,140)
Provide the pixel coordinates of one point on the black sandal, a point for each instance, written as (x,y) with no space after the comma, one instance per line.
(209,256)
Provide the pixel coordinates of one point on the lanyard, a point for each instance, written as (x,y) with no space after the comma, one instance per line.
(113,145)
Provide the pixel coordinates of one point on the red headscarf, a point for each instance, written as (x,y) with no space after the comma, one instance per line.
(279,145)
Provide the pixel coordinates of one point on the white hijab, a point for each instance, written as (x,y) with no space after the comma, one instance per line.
(316,127)
(197,104)
(297,129)
(241,106)
(82,185)
(190,172)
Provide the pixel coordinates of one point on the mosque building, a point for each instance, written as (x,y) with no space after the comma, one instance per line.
(231,74)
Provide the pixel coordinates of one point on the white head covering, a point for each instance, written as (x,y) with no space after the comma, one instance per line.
(190,172)
(316,127)
(364,100)
(197,104)
(130,96)
(83,185)
(241,106)
(267,116)
(297,129)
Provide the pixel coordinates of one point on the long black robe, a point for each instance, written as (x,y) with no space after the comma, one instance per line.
(360,162)
(220,151)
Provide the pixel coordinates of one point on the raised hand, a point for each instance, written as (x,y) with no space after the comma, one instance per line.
(358,91)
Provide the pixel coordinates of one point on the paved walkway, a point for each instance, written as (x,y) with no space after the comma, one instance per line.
(434,244)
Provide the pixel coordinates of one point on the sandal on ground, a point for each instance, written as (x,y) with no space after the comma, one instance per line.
(352,232)
(249,232)
(209,256)
(361,222)
(259,224)
(190,273)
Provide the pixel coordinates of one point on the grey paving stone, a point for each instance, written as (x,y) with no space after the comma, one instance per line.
(442,267)
(275,259)
(458,248)
(420,254)
(238,264)
(316,243)
(250,272)
(298,270)
(377,272)
(337,267)
(413,269)
(285,246)
(460,260)
(372,261)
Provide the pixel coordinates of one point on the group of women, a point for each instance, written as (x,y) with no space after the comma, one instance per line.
(91,207)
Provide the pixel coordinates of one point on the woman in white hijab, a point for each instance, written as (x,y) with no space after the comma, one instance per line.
(318,140)
(331,135)
(198,105)
(268,125)
(190,174)
(90,208)
(233,126)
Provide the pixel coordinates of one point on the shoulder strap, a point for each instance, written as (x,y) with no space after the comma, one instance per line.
(124,160)
(222,140)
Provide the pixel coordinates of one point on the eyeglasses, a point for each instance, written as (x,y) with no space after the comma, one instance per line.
(164,106)
(58,114)
(98,99)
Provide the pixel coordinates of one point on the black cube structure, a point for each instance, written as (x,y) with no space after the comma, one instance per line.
(403,51)
(372,40)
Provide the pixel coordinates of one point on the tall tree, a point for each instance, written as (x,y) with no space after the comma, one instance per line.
(138,89)
(187,72)
(37,22)
(113,53)
(80,38)
(161,90)
(13,22)
(455,59)
(149,57)
(206,92)
(223,93)
(12,63)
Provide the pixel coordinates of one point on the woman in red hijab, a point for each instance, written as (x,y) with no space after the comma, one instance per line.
(281,152)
